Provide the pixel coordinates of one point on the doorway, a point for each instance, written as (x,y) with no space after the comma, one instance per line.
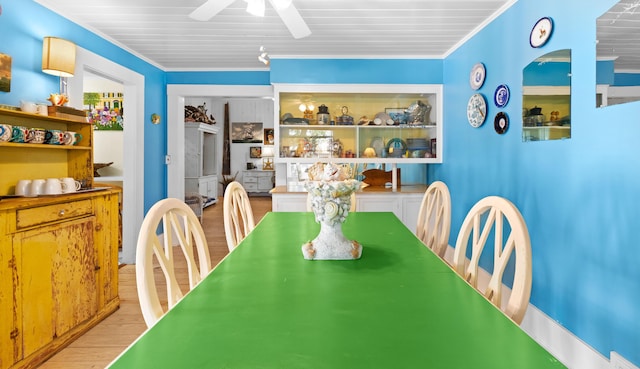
(176,95)
(133,139)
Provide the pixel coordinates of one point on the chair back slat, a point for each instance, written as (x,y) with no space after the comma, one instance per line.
(237,214)
(487,217)
(169,223)
(434,218)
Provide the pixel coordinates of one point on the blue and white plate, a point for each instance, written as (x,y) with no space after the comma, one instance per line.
(476,77)
(501,96)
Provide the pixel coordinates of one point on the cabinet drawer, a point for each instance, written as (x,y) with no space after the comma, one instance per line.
(249,179)
(52,213)
(251,187)
(264,174)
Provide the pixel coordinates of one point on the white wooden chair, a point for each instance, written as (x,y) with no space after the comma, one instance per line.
(237,214)
(493,211)
(434,218)
(170,222)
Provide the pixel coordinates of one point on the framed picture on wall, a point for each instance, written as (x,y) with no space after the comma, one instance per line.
(255,152)
(5,73)
(246,132)
(106,110)
(268,136)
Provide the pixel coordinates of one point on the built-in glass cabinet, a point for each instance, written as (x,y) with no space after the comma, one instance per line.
(358,123)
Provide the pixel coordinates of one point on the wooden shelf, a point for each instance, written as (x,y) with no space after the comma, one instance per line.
(21,114)
(43,146)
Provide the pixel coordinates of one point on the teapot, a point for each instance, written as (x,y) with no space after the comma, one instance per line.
(28,107)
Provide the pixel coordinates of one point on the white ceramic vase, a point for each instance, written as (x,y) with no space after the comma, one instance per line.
(330,202)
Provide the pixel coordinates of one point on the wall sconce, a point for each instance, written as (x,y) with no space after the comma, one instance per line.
(59,59)
(267,158)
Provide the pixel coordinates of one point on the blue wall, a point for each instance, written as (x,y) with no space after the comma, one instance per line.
(24,23)
(578,196)
(400,71)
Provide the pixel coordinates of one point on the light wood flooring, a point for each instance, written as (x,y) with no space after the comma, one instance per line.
(99,346)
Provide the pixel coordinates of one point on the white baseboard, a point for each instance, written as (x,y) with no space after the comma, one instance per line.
(560,342)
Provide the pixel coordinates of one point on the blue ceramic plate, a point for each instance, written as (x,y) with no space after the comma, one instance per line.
(501,96)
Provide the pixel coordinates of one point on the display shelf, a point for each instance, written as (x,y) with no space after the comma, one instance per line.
(413,137)
(541,133)
(30,161)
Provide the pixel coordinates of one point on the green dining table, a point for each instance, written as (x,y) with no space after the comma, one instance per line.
(398,306)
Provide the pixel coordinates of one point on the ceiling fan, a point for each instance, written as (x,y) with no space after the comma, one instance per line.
(285,9)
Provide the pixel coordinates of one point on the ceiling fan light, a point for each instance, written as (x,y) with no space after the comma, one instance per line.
(281,4)
(256,7)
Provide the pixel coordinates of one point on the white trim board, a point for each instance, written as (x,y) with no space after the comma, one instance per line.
(560,342)
(133,141)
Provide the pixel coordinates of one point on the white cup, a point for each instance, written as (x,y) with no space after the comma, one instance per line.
(52,186)
(69,185)
(42,109)
(36,187)
(22,187)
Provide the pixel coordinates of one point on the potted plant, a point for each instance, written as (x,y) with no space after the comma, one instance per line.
(226,179)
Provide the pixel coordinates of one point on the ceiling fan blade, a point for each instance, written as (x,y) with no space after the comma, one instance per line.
(293,20)
(209,9)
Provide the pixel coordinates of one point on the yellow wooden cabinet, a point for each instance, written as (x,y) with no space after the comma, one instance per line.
(58,253)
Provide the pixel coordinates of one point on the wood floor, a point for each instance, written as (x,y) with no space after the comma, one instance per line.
(98,347)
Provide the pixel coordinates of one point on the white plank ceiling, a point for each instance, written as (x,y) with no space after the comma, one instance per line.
(161,32)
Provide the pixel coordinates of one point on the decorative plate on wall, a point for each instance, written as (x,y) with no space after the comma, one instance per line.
(501,96)
(541,32)
(476,110)
(501,122)
(476,77)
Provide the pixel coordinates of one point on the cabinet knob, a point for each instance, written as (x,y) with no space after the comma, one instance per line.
(98,227)
(61,213)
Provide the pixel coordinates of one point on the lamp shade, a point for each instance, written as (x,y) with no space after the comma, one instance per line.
(58,56)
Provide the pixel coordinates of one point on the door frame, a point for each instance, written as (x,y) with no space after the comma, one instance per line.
(133,140)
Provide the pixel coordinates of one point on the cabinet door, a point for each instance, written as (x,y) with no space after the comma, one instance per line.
(57,284)
(379,203)
(410,209)
(8,331)
(265,184)
(108,237)
(212,188)
(289,202)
